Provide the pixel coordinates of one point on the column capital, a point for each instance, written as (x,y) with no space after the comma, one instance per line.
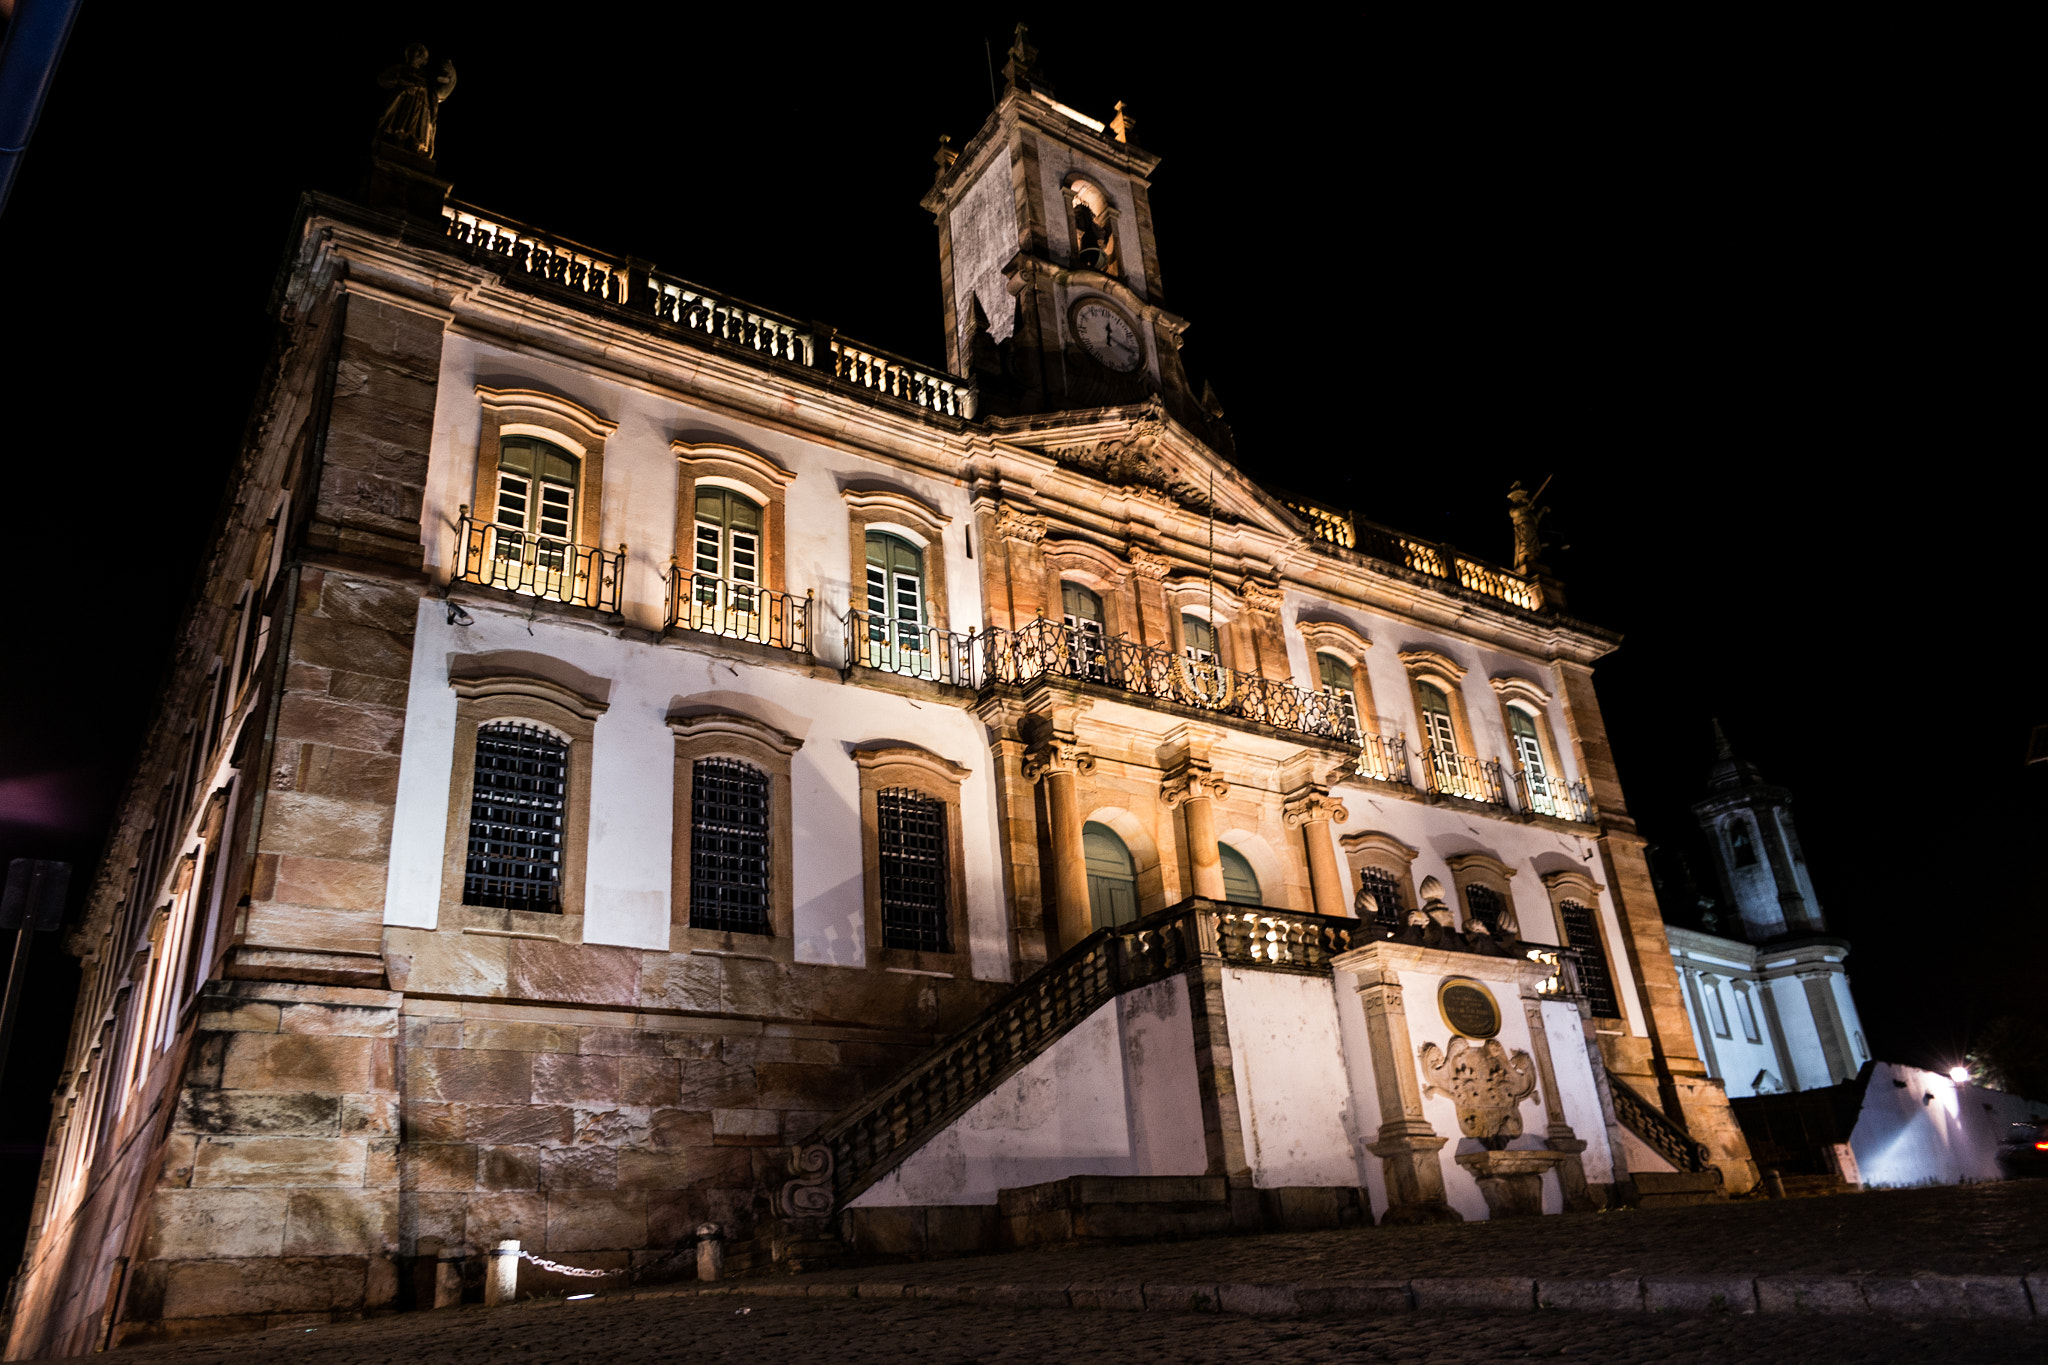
(1055,756)
(1313,805)
(1192,782)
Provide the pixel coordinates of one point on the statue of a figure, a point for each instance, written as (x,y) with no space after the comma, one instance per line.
(414,113)
(1526,515)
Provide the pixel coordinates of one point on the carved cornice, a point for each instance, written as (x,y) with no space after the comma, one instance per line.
(1146,564)
(1264,598)
(1021,527)
(1051,757)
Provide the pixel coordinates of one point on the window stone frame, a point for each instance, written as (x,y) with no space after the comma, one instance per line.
(563,421)
(887,766)
(1342,642)
(1483,869)
(741,471)
(710,733)
(1376,848)
(898,513)
(1575,885)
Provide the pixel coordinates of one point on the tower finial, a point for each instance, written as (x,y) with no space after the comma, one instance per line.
(1022,68)
(1722,749)
(1124,125)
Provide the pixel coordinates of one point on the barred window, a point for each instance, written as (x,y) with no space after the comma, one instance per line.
(728,846)
(912,856)
(1589,955)
(1486,905)
(515,818)
(1386,894)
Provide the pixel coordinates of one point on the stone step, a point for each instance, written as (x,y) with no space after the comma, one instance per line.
(1668,1189)
(1085,1208)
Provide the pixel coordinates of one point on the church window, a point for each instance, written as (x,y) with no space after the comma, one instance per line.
(1198,639)
(1588,952)
(912,864)
(1485,904)
(1240,883)
(729,834)
(1082,613)
(1112,877)
(1717,1013)
(1094,227)
(1438,730)
(1528,748)
(1334,674)
(1741,843)
(1388,912)
(1745,1012)
(726,557)
(516,818)
(896,604)
(536,502)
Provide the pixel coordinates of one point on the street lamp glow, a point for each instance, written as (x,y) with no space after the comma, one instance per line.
(1959,1074)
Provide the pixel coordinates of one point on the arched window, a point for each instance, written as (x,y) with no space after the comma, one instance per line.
(1240,883)
(1438,730)
(516,811)
(1198,639)
(1528,746)
(728,846)
(536,501)
(1112,877)
(1095,243)
(727,558)
(1082,611)
(1335,677)
(1588,953)
(1485,905)
(1741,843)
(896,605)
(911,861)
(1385,890)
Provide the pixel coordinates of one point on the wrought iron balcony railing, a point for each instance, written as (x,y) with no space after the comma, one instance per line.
(1384,758)
(640,289)
(515,559)
(910,651)
(1049,648)
(738,611)
(1454,774)
(1544,795)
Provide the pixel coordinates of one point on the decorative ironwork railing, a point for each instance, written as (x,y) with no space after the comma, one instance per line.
(1454,774)
(1545,795)
(912,651)
(738,611)
(1649,1123)
(1384,758)
(1334,526)
(869,1140)
(1046,647)
(520,561)
(638,288)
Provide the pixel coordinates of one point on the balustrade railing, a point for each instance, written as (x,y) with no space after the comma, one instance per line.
(912,651)
(738,611)
(1649,1123)
(1545,795)
(1454,774)
(869,1140)
(518,560)
(1046,647)
(524,251)
(1335,527)
(1384,758)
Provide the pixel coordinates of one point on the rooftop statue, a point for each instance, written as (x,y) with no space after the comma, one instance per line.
(414,114)
(1526,515)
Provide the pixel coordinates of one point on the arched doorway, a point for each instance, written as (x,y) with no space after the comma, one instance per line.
(1112,877)
(1240,883)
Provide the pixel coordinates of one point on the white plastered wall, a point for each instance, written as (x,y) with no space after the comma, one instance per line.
(1116,1096)
(1294,1103)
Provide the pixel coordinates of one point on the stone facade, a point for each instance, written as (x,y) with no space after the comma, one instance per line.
(303,1063)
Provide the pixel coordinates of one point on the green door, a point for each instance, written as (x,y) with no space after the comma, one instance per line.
(1112,877)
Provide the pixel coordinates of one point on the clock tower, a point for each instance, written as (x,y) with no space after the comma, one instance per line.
(1047,259)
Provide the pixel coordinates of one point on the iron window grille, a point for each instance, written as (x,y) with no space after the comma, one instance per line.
(912,857)
(1386,893)
(728,846)
(1486,906)
(1589,957)
(516,818)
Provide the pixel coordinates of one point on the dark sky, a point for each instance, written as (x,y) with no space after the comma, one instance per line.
(1741,292)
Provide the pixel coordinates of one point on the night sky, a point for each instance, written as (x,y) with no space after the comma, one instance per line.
(1740,294)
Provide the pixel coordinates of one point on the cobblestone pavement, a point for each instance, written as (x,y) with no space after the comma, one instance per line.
(850,1332)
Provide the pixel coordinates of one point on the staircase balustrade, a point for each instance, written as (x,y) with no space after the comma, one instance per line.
(1649,1123)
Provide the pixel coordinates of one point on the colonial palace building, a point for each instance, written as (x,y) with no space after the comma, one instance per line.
(642,769)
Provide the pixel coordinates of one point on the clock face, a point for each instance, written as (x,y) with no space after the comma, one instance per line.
(1108,337)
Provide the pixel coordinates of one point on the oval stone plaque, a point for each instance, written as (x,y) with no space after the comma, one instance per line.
(1468,1007)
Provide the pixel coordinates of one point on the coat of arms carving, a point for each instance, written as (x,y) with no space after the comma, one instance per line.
(1486,1082)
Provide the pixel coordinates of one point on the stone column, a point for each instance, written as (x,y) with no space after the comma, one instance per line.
(1559,1137)
(1312,810)
(1195,789)
(1054,762)
(1407,1146)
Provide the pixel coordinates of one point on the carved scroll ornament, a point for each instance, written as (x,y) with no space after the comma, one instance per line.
(1485,1082)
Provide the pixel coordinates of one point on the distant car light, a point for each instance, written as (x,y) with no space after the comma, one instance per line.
(2041,1146)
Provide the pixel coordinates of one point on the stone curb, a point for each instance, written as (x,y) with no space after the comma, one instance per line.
(1920,1297)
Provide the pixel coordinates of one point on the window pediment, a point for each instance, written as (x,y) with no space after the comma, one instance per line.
(1478,862)
(516,405)
(484,677)
(712,458)
(1335,637)
(1508,687)
(1572,883)
(883,504)
(716,725)
(1422,662)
